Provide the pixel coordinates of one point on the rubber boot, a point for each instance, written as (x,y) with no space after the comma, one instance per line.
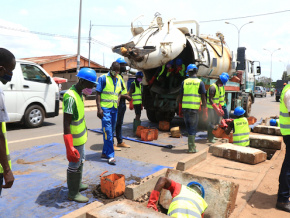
(191,144)
(210,135)
(136,123)
(82,186)
(73,184)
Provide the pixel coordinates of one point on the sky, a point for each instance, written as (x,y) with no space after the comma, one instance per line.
(34,28)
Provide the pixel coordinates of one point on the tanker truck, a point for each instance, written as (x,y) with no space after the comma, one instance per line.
(165,42)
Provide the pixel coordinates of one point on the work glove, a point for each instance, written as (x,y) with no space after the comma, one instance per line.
(229,120)
(72,154)
(204,114)
(131,106)
(218,110)
(153,200)
(151,80)
(223,124)
(180,110)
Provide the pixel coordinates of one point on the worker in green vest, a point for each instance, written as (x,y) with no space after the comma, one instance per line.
(283,202)
(215,110)
(136,93)
(187,201)
(222,98)
(7,65)
(162,74)
(192,93)
(75,132)
(240,127)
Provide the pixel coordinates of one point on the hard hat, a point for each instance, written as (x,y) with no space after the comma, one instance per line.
(225,73)
(139,73)
(88,74)
(121,61)
(196,187)
(285,84)
(171,62)
(239,111)
(179,61)
(273,122)
(191,67)
(224,78)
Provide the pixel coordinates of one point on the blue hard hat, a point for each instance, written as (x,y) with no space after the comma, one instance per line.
(273,122)
(171,62)
(197,187)
(224,78)
(88,74)
(121,61)
(179,61)
(139,73)
(191,67)
(239,111)
(225,73)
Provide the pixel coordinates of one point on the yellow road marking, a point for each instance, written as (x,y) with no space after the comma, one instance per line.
(40,137)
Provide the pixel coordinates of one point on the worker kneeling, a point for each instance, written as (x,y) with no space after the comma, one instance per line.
(240,127)
(187,201)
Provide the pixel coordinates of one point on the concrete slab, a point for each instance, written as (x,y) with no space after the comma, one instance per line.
(125,209)
(82,212)
(265,141)
(192,160)
(238,153)
(219,194)
(268,130)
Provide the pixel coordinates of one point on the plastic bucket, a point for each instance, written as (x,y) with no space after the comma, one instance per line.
(112,185)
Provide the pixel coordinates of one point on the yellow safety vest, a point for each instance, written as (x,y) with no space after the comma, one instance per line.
(182,71)
(284,118)
(169,71)
(161,72)
(7,149)
(188,204)
(124,91)
(110,94)
(241,135)
(215,97)
(78,127)
(278,122)
(222,96)
(137,95)
(191,97)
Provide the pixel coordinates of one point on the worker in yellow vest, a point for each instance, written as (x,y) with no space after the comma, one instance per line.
(109,89)
(222,98)
(136,93)
(7,65)
(283,202)
(240,127)
(75,132)
(187,201)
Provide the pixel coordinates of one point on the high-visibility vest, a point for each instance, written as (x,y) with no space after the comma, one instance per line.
(284,114)
(137,95)
(124,91)
(241,135)
(278,122)
(191,98)
(7,149)
(78,127)
(188,203)
(182,71)
(169,71)
(222,99)
(161,72)
(215,99)
(110,94)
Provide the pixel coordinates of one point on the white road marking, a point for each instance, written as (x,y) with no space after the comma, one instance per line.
(41,137)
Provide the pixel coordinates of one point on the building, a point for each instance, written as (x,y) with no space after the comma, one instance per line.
(65,66)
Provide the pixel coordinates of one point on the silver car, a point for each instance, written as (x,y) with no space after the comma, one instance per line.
(260,91)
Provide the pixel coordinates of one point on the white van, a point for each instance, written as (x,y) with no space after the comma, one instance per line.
(31,95)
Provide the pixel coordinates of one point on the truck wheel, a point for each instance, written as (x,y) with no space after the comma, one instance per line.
(151,115)
(34,116)
(277,98)
(248,106)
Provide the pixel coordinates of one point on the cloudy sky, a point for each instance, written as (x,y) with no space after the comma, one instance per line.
(34,28)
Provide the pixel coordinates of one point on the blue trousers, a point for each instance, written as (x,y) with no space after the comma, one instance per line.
(108,125)
(225,109)
(1,182)
(191,120)
(121,112)
(284,178)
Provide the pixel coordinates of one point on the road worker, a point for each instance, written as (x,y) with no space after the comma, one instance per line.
(75,132)
(109,89)
(162,74)
(7,65)
(136,93)
(215,110)
(222,98)
(275,122)
(192,93)
(187,201)
(240,127)
(121,108)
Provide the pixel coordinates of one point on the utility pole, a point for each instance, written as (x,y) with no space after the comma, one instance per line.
(79,38)
(90,44)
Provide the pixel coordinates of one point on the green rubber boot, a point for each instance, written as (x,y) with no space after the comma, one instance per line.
(73,184)
(191,144)
(82,186)
(136,123)
(210,135)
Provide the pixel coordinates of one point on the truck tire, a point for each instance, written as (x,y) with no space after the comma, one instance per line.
(151,115)
(34,116)
(277,98)
(248,106)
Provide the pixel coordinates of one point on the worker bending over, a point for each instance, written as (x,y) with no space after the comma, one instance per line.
(136,93)
(187,201)
(75,132)
(222,98)
(192,93)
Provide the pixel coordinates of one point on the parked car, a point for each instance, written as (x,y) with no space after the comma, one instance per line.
(87,97)
(261,91)
(278,88)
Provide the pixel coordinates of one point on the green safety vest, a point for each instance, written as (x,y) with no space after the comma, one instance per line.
(182,71)
(284,114)
(124,91)
(110,94)
(169,71)
(222,96)
(78,127)
(215,97)
(161,72)
(278,122)
(191,97)
(188,203)
(7,149)
(137,95)
(241,135)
